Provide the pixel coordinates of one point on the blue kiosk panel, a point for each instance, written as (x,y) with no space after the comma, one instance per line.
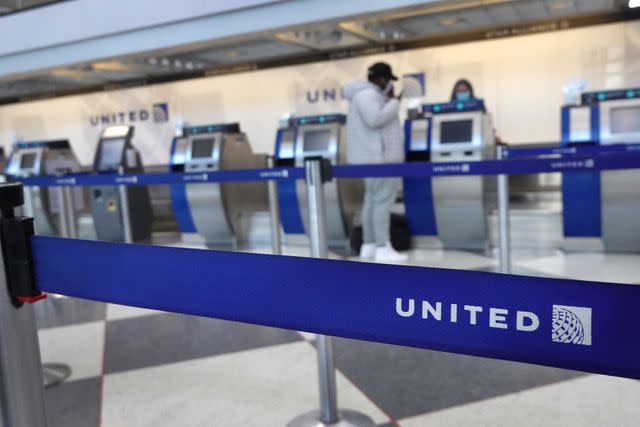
(581,198)
(178,194)
(418,198)
(290,216)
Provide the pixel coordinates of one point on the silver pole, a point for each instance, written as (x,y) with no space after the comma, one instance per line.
(21,392)
(504,231)
(63,215)
(328,414)
(124,210)
(71,212)
(27,208)
(320,249)
(274,212)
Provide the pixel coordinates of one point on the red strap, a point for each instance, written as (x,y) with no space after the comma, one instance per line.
(31,300)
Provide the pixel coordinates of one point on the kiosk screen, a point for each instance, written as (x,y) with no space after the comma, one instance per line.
(625,120)
(317,140)
(27,161)
(110,154)
(201,148)
(458,131)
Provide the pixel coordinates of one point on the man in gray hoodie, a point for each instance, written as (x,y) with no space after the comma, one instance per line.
(374,135)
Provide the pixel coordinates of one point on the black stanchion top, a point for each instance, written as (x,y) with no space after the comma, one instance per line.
(11,195)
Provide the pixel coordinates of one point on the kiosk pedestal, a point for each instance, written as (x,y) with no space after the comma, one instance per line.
(120,214)
(317,136)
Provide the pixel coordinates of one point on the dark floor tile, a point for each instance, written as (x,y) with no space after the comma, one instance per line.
(166,338)
(406,382)
(53,311)
(74,404)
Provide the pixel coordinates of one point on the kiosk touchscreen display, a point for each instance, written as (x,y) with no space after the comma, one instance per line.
(459,131)
(625,120)
(27,161)
(201,148)
(317,140)
(110,153)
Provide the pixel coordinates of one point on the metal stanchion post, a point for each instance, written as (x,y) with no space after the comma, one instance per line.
(504,231)
(71,213)
(328,413)
(55,373)
(124,210)
(27,208)
(274,212)
(21,392)
(63,215)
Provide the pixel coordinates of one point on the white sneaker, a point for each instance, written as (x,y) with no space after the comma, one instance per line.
(387,254)
(367,251)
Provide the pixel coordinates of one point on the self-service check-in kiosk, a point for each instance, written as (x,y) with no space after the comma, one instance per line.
(316,136)
(461,132)
(417,191)
(605,204)
(45,158)
(216,210)
(116,154)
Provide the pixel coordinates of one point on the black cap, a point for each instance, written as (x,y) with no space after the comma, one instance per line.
(381,69)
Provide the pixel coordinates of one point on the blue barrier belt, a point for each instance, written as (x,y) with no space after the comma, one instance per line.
(628,160)
(514,152)
(89,180)
(519,318)
(490,167)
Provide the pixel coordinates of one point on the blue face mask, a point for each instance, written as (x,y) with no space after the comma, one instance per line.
(463,96)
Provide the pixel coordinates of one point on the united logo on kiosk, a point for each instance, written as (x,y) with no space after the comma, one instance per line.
(571,325)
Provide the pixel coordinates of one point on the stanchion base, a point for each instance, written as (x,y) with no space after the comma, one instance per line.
(348,418)
(55,373)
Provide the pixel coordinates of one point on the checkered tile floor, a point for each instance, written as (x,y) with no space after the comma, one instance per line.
(134,367)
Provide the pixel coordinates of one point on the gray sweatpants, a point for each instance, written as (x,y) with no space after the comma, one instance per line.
(379,195)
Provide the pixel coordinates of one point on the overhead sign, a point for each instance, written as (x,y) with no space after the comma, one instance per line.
(158,113)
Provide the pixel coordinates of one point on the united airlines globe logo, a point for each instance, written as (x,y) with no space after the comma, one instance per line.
(571,325)
(414,85)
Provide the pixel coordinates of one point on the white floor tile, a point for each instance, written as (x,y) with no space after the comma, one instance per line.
(116,312)
(309,336)
(447,259)
(265,387)
(588,401)
(589,266)
(79,346)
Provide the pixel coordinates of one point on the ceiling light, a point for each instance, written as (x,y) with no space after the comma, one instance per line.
(561,5)
(324,37)
(634,3)
(447,22)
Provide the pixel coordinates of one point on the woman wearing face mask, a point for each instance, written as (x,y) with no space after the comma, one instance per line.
(463,91)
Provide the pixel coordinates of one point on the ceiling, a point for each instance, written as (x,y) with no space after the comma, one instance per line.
(446,19)
(12,6)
